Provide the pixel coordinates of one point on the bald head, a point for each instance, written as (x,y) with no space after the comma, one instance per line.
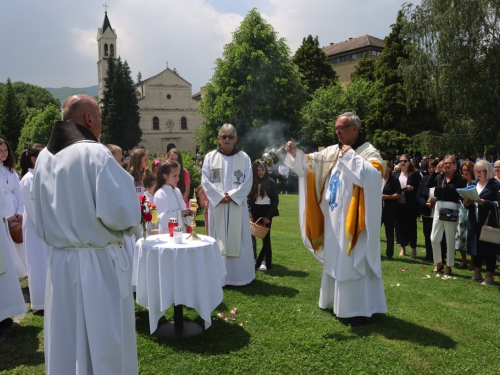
(83,110)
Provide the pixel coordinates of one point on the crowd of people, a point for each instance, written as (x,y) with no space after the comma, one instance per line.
(77,203)
(451,224)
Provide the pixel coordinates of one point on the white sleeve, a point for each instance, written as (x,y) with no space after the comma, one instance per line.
(17,192)
(355,168)
(117,205)
(214,194)
(25,189)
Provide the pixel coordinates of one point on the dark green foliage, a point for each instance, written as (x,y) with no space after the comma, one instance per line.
(313,65)
(38,126)
(454,59)
(327,103)
(190,164)
(253,83)
(11,115)
(32,96)
(120,111)
(365,69)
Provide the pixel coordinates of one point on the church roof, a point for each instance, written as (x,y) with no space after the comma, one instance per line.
(353,44)
(106,24)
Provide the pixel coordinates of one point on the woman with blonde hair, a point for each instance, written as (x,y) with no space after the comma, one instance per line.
(445,180)
(496,168)
(485,208)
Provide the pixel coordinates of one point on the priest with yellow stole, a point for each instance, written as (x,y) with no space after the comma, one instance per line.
(340,208)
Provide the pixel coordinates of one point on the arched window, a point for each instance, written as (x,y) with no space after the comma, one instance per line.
(184,124)
(156,123)
(105,50)
(111,50)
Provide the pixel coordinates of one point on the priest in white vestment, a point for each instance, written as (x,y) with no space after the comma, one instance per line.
(227,180)
(340,211)
(84,204)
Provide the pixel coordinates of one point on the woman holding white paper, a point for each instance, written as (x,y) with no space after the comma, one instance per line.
(481,210)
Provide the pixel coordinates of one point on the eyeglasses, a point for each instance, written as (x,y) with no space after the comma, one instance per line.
(479,172)
(448,163)
(403,161)
(342,127)
(227,137)
(497,167)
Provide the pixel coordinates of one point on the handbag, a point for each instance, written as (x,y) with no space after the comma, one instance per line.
(16,232)
(448,214)
(490,234)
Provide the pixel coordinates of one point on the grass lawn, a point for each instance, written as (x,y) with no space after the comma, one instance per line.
(433,325)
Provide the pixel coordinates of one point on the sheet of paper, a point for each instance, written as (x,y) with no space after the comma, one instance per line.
(469,192)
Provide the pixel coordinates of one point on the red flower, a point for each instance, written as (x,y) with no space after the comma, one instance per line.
(143,207)
(148,217)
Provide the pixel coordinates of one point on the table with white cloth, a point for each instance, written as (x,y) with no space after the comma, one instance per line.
(191,274)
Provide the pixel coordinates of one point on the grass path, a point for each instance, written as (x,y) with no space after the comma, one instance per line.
(434,326)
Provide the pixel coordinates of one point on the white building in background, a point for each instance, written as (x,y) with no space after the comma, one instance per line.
(169,112)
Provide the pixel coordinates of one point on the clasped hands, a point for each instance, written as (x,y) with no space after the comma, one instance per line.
(15,218)
(226,199)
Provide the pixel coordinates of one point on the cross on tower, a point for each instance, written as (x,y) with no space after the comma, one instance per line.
(106,7)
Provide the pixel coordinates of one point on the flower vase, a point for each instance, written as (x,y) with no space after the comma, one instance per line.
(144,231)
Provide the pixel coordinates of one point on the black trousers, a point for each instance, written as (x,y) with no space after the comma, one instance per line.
(283,186)
(261,210)
(389,220)
(407,224)
(491,261)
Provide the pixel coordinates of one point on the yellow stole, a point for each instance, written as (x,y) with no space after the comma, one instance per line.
(314,219)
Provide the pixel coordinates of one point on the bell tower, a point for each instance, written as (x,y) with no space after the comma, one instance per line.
(106,44)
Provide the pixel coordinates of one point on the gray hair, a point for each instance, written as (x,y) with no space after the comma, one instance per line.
(496,163)
(228,128)
(353,119)
(483,165)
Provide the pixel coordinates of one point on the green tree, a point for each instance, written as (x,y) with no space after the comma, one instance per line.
(139,77)
(327,103)
(11,116)
(120,110)
(313,65)
(365,69)
(31,96)
(253,83)
(454,60)
(38,126)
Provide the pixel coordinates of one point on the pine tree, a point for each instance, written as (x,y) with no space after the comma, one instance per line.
(313,65)
(365,69)
(254,83)
(120,110)
(11,116)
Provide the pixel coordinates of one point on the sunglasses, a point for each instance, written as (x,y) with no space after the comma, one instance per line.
(227,137)
(342,127)
(403,161)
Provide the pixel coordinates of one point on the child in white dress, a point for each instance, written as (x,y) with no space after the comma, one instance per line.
(37,251)
(168,199)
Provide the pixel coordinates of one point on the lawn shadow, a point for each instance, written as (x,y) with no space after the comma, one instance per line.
(396,329)
(25,337)
(282,271)
(262,288)
(208,342)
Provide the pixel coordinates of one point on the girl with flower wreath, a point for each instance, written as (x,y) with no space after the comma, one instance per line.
(168,198)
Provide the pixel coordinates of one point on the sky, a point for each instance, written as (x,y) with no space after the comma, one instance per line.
(52,43)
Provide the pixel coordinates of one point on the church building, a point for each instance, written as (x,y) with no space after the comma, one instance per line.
(169,113)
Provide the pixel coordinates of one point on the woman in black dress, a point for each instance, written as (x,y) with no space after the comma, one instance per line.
(391,192)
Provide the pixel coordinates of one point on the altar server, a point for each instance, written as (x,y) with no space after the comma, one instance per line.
(84,204)
(9,187)
(168,198)
(11,296)
(37,251)
(227,180)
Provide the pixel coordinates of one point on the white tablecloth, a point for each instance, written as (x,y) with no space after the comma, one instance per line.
(190,274)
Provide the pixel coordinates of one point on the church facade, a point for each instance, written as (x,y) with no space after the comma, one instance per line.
(169,114)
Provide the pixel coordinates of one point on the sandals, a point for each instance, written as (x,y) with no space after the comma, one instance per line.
(488,281)
(477,277)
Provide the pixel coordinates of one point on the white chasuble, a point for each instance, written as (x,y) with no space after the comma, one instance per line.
(240,269)
(352,281)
